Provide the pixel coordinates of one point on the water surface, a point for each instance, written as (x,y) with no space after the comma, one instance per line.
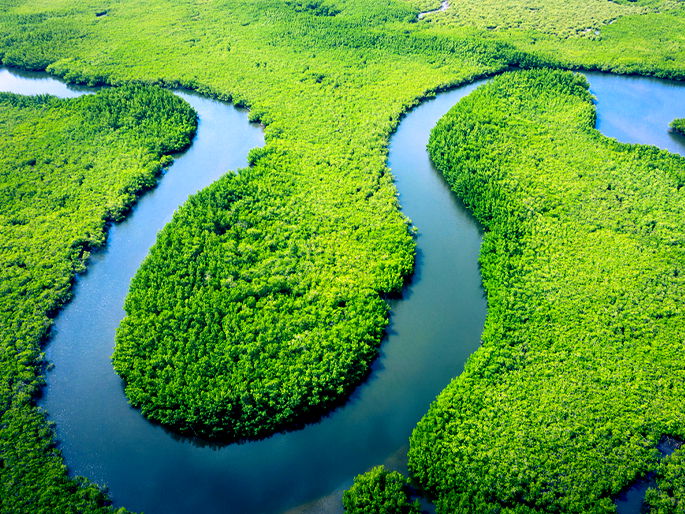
(433,330)
(638,109)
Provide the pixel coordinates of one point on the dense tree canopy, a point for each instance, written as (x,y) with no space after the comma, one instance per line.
(316,218)
(580,372)
(379,491)
(236,329)
(545,16)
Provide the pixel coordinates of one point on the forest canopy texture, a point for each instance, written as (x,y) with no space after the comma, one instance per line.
(305,245)
(67,167)
(581,371)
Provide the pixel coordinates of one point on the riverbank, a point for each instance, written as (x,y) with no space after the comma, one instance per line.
(69,168)
(580,357)
(112,444)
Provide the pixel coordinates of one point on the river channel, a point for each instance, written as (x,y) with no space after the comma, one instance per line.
(434,327)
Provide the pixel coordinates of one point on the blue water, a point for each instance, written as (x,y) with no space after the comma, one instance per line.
(433,330)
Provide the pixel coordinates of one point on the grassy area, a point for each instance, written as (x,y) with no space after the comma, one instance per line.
(304,245)
(66,168)
(581,371)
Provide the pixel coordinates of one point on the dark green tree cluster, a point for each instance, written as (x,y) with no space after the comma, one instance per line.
(379,491)
(678,126)
(583,259)
(669,496)
(66,168)
(239,323)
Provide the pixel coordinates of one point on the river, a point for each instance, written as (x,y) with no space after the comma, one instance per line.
(434,327)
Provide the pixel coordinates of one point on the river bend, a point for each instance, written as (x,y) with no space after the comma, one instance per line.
(433,330)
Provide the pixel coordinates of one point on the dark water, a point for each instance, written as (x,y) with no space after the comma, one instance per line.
(434,328)
(631,499)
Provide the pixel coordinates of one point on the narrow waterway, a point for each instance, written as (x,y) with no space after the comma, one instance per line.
(444,5)
(433,330)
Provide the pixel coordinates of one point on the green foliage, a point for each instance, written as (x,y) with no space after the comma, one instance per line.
(678,126)
(557,17)
(316,218)
(379,491)
(236,326)
(669,496)
(315,7)
(580,371)
(262,304)
(424,5)
(66,168)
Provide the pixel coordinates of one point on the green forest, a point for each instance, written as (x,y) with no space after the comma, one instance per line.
(380,491)
(678,126)
(580,371)
(263,303)
(67,168)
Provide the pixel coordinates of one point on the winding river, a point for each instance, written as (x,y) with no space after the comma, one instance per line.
(434,327)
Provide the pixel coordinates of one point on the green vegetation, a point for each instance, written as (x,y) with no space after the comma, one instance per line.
(580,34)
(236,327)
(562,20)
(678,126)
(425,5)
(545,16)
(286,297)
(262,304)
(315,219)
(66,168)
(379,491)
(581,371)
(669,497)
(308,241)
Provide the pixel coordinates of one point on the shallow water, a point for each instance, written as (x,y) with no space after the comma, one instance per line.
(638,109)
(434,327)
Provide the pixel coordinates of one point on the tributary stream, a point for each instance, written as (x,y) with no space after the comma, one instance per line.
(434,327)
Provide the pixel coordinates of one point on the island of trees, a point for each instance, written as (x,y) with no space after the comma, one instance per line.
(678,126)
